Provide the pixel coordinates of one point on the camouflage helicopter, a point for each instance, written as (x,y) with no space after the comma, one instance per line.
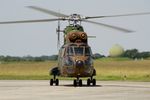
(75,55)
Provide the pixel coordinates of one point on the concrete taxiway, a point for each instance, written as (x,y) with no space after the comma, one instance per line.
(105,90)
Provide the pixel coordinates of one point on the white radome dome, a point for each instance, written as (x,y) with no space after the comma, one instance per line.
(116,50)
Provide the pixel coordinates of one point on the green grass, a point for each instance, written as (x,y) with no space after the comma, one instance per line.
(121,69)
(26,70)
(114,59)
(129,70)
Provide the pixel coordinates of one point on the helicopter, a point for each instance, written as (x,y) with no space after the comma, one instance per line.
(75,55)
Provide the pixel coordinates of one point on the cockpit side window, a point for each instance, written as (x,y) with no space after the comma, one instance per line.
(87,51)
(70,51)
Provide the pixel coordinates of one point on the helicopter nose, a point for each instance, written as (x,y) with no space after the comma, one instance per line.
(79,63)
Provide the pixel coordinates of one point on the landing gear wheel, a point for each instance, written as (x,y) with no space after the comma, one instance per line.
(75,82)
(51,82)
(80,82)
(91,80)
(56,82)
(94,82)
(88,82)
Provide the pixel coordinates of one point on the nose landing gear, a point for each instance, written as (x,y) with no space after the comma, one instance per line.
(77,82)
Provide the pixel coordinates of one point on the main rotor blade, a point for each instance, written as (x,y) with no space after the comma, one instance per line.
(29,21)
(48,11)
(121,15)
(109,26)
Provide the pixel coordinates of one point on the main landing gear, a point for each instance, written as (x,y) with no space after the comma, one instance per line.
(54,81)
(55,72)
(91,80)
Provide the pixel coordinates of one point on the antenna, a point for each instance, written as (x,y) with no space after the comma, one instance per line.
(58,31)
(58,34)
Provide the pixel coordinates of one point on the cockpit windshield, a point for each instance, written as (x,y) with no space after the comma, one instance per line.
(80,51)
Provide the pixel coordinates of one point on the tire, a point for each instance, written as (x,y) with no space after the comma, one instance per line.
(51,82)
(88,82)
(57,82)
(75,82)
(80,82)
(94,82)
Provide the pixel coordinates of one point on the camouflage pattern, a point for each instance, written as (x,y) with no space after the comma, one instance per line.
(76,63)
(75,56)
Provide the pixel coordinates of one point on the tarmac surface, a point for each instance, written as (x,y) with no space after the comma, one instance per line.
(104,90)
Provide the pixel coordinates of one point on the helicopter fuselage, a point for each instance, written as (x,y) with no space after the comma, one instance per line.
(75,57)
(75,60)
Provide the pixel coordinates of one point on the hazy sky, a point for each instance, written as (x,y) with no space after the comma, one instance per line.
(40,38)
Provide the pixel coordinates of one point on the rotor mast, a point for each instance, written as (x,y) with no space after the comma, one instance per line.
(75,19)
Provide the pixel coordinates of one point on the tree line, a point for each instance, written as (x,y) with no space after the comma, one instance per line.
(135,54)
(130,53)
(27,58)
